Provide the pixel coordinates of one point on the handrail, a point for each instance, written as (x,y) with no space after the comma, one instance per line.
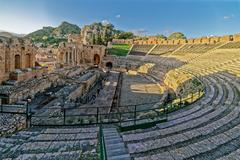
(103,153)
(117,117)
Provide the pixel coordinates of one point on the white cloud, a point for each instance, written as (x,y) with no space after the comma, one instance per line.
(105,22)
(228,16)
(118,16)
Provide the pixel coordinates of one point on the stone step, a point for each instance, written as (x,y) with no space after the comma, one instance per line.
(115,146)
(112,141)
(111,137)
(110,131)
(111,134)
(177,128)
(115,152)
(120,157)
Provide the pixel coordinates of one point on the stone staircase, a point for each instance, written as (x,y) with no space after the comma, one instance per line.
(115,147)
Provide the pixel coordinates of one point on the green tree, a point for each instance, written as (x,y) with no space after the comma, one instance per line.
(125,35)
(177,35)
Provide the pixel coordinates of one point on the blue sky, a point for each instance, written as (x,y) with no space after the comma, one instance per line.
(193,17)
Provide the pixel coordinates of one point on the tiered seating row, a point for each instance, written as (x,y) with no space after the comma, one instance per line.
(163,49)
(231,45)
(140,50)
(52,143)
(172,136)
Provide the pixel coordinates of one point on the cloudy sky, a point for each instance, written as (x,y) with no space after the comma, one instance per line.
(147,17)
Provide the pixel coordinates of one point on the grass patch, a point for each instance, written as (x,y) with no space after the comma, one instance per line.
(119,49)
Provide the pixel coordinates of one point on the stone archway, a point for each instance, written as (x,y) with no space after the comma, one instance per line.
(96,59)
(28,61)
(61,57)
(66,57)
(17,63)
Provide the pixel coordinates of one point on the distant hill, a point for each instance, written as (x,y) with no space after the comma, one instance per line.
(7,36)
(53,36)
(10,34)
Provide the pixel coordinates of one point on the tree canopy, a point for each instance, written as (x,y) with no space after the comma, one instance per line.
(177,35)
(161,36)
(125,35)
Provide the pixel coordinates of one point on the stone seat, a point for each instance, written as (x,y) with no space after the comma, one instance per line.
(197,149)
(183,137)
(176,128)
(51,143)
(57,155)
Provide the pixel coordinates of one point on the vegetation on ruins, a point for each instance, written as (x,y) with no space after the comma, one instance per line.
(95,33)
(123,35)
(177,35)
(98,33)
(119,49)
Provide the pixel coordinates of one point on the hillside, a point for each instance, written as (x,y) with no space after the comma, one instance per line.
(10,34)
(53,36)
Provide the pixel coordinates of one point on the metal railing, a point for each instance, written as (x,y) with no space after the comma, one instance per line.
(122,115)
(129,114)
(103,153)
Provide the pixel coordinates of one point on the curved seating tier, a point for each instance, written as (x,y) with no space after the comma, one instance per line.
(163,49)
(231,45)
(51,143)
(140,50)
(195,132)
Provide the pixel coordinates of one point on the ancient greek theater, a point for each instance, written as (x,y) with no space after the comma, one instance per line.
(84,88)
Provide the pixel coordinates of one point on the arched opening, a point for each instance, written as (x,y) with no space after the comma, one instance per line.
(70,57)
(109,65)
(61,57)
(17,62)
(96,59)
(28,61)
(66,57)
(4,99)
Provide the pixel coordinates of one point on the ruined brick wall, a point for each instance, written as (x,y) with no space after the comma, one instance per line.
(197,41)
(200,40)
(74,38)
(76,54)
(236,37)
(227,38)
(16,54)
(214,40)
(191,41)
(206,40)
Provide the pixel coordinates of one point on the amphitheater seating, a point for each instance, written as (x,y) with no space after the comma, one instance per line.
(209,129)
(189,130)
(51,143)
(206,129)
(163,49)
(231,45)
(140,50)
(197,48)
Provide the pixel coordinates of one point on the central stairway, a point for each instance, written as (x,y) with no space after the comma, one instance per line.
(115,147)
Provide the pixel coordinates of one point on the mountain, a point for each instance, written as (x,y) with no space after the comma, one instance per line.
(53,36)
(66,28)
